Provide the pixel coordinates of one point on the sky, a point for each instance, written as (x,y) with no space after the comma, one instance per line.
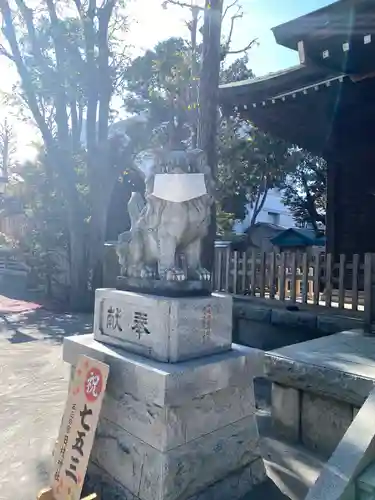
(155,23)
(151,23)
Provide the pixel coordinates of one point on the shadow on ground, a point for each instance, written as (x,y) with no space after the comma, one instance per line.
(266,491)
(40,324)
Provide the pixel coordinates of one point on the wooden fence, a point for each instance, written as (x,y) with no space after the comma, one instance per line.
(298,277)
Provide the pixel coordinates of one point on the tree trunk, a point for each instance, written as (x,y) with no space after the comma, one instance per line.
(101,193)
(79,297)
(258,206)
(194,77)
(208,107)
(98,227)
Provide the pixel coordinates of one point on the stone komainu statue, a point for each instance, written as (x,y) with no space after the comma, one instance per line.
(165,238)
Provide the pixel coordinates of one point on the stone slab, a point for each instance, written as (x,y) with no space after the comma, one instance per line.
(293,318)
(340,366)
(233,486)
(163,328)
(355,452)
(333,324)
(182,472)
(324,422)
(285,411)
(251,311)
(168,383)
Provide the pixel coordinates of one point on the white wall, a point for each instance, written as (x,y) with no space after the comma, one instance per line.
(273,211)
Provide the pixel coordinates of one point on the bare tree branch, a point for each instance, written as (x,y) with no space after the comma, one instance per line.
(5,53)
(27,15)
(237,15)
(10,34)
(228,7)
(244,49)
(181,4)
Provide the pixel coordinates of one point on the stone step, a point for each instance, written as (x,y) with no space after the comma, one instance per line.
(291,468)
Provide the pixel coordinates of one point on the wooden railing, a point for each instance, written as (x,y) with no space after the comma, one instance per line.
(299,277)
(11,263)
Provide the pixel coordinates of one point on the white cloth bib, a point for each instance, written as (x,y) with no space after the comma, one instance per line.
(179,187)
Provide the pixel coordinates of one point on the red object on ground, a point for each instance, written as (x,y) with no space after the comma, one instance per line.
(8,305)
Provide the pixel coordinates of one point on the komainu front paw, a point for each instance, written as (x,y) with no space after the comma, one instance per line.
(147,273)
(203,274)
(174,274)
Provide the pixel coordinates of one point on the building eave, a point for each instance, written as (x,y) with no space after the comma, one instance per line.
(314,23)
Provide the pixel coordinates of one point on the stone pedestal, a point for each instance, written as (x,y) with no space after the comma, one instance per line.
(164,328)
(178,418)
(175,431)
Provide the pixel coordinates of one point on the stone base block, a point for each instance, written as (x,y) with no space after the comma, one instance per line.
(178,473)
(164,328)
(286,412)
(324,422)
(170,431)
(232,487)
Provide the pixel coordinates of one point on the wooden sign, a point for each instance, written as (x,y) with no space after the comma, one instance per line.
(78,428)
(48,495)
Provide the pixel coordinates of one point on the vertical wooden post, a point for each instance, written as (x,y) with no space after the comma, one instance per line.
(355,273)
(235,272)
(272,275)
(342,281)
(369,291)
(328,280)
(244,272)
(293,288)
(253,272)
(305,277)
(227,268)
(262,275)
(316,278)
(282,276)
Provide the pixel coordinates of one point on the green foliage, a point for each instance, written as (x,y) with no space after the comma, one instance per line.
(224,221)
(6,242)
(305,190)
(159,82)
(70,63)
(237,70)
(251,163)
(45,210)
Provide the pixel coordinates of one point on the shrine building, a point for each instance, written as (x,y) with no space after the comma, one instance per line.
(326,105)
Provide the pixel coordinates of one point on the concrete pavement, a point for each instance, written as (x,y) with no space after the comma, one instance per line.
(32,394)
